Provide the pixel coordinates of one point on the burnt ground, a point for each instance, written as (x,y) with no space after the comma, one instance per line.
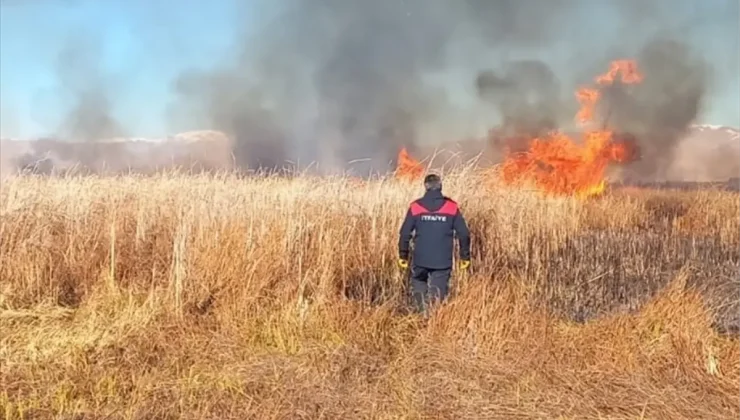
(732,184)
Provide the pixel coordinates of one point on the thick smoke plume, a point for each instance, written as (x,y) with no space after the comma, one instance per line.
(659,111)
(527,96)
(656,114)
(347,80)
(340,81)
(82,88)
(91,115)
(347,83)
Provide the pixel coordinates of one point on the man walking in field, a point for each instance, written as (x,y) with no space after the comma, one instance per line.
(432,220)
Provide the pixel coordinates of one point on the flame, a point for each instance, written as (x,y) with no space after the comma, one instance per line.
(556,164)
(408,167)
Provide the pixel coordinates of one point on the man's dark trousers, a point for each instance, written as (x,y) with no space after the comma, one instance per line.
(428,284)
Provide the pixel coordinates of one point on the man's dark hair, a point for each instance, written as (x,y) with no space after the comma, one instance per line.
(432,182)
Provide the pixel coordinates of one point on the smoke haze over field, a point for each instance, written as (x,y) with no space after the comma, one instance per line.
(337,81)
(355,70)
(348,79)
(660,110)
(82,81)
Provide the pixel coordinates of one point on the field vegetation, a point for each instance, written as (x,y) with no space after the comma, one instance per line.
(213,297)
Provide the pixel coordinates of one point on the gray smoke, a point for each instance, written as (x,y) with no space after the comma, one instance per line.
(526,94)
(338,81)
(659,111)
(82,88)
(227,101)
(346,80)
(83,82)
(656,115)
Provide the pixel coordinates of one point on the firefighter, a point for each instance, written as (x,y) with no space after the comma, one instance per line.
(432,220)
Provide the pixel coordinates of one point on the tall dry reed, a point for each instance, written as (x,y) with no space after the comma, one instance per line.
(217,297)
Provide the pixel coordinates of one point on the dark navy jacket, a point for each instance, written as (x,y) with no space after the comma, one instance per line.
(433,218)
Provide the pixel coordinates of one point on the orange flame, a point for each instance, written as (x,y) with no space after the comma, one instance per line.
(408,167)
(556,164)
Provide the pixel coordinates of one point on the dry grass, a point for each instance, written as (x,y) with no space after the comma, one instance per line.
(203,298)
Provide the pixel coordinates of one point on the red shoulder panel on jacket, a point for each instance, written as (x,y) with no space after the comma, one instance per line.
(448,208)
(417,209)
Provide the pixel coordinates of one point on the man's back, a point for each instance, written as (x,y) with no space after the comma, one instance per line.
(434,218)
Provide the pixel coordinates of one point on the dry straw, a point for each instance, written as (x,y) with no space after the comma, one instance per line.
(225,298)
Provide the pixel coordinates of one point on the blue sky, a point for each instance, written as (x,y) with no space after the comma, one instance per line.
(144,45)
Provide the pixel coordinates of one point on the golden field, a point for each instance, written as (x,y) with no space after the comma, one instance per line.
(208,297)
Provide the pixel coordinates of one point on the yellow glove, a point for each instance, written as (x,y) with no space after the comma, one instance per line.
(404,264)
(464,264)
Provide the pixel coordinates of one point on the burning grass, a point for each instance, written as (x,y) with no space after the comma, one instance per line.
(558,164)
(198,297)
